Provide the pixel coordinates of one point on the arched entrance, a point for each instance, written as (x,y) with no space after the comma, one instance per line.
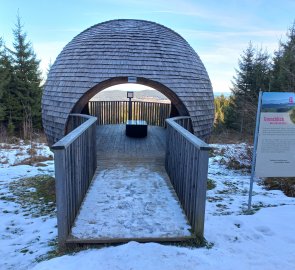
(175,101)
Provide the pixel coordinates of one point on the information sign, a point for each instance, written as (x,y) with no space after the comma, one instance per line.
(275,153)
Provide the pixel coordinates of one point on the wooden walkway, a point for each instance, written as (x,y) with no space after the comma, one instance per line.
(113,144)
(131,197)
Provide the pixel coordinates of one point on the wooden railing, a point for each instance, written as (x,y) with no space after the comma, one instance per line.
(187,166)
(75,164)
(116,112)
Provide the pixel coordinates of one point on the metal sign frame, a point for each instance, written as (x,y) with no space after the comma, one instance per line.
(255,149)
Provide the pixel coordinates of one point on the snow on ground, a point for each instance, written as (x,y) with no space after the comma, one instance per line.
(230,196)
(24,236)
(14,154)
(137,198)
(263,240)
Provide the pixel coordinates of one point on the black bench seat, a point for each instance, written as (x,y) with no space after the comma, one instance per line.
(136,128)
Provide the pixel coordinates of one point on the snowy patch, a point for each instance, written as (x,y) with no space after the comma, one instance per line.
(234,156)
(24,238)
(14,154)
(261,241)
(230,196)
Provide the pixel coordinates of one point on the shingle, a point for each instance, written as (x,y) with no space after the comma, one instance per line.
(123,48)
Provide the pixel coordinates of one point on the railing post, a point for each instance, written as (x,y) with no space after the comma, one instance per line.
(201,192)
(61,195)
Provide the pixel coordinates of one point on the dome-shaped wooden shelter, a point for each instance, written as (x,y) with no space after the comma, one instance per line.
(109,53)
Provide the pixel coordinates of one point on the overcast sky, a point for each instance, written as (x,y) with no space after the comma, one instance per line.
(218,30)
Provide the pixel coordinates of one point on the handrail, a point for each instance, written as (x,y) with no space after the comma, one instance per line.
(189,136)
(74,134)
(75,164)
(186,163)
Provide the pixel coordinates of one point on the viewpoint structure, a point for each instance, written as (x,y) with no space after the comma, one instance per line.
(109,53)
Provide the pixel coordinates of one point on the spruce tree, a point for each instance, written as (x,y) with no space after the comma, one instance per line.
(220,104)
(252,76)
(6,75)
(283,72)
(26,86)
(231,120)
(3,81)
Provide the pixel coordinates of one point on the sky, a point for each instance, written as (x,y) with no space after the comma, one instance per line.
(218,30)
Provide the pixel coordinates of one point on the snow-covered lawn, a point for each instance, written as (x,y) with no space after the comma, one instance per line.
(26,235)
(263,240)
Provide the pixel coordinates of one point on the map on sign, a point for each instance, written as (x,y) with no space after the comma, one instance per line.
(275,156)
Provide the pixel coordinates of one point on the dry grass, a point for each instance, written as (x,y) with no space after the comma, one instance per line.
(32,151)
(36,136)
(230,137)
(287,185)
(211,184)
(34,158)
(34,161)
(39,137)
(8,146)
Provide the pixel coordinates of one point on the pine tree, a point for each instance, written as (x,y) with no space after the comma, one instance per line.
(26,87)
(3,81)
(283,73)
(221,103)
(231,120)
(252,76)
(6,73)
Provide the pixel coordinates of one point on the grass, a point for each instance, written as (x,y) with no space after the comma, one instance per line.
(211,184)
(34,160)
(287,185)
(196,242)
(36,136)
(53,253)
(230,136)
(35,194)
(234,164)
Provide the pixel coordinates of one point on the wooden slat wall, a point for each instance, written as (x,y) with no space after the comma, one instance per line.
(116,112)
(187,166)
(75,164)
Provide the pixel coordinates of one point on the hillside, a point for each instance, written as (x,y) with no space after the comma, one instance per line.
(143,95)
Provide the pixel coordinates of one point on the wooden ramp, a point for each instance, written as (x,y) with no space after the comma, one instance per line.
(130,197)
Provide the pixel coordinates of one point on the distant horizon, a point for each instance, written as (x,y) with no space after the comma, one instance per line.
(145,88)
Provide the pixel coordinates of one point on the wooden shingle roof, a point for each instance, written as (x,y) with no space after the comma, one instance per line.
(124,48)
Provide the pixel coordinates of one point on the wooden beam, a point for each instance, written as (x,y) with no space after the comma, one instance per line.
(126,240)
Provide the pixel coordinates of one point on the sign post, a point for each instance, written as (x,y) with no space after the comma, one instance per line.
(254,150)
(130,95)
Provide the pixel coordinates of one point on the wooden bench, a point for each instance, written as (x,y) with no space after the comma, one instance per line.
(136,128)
